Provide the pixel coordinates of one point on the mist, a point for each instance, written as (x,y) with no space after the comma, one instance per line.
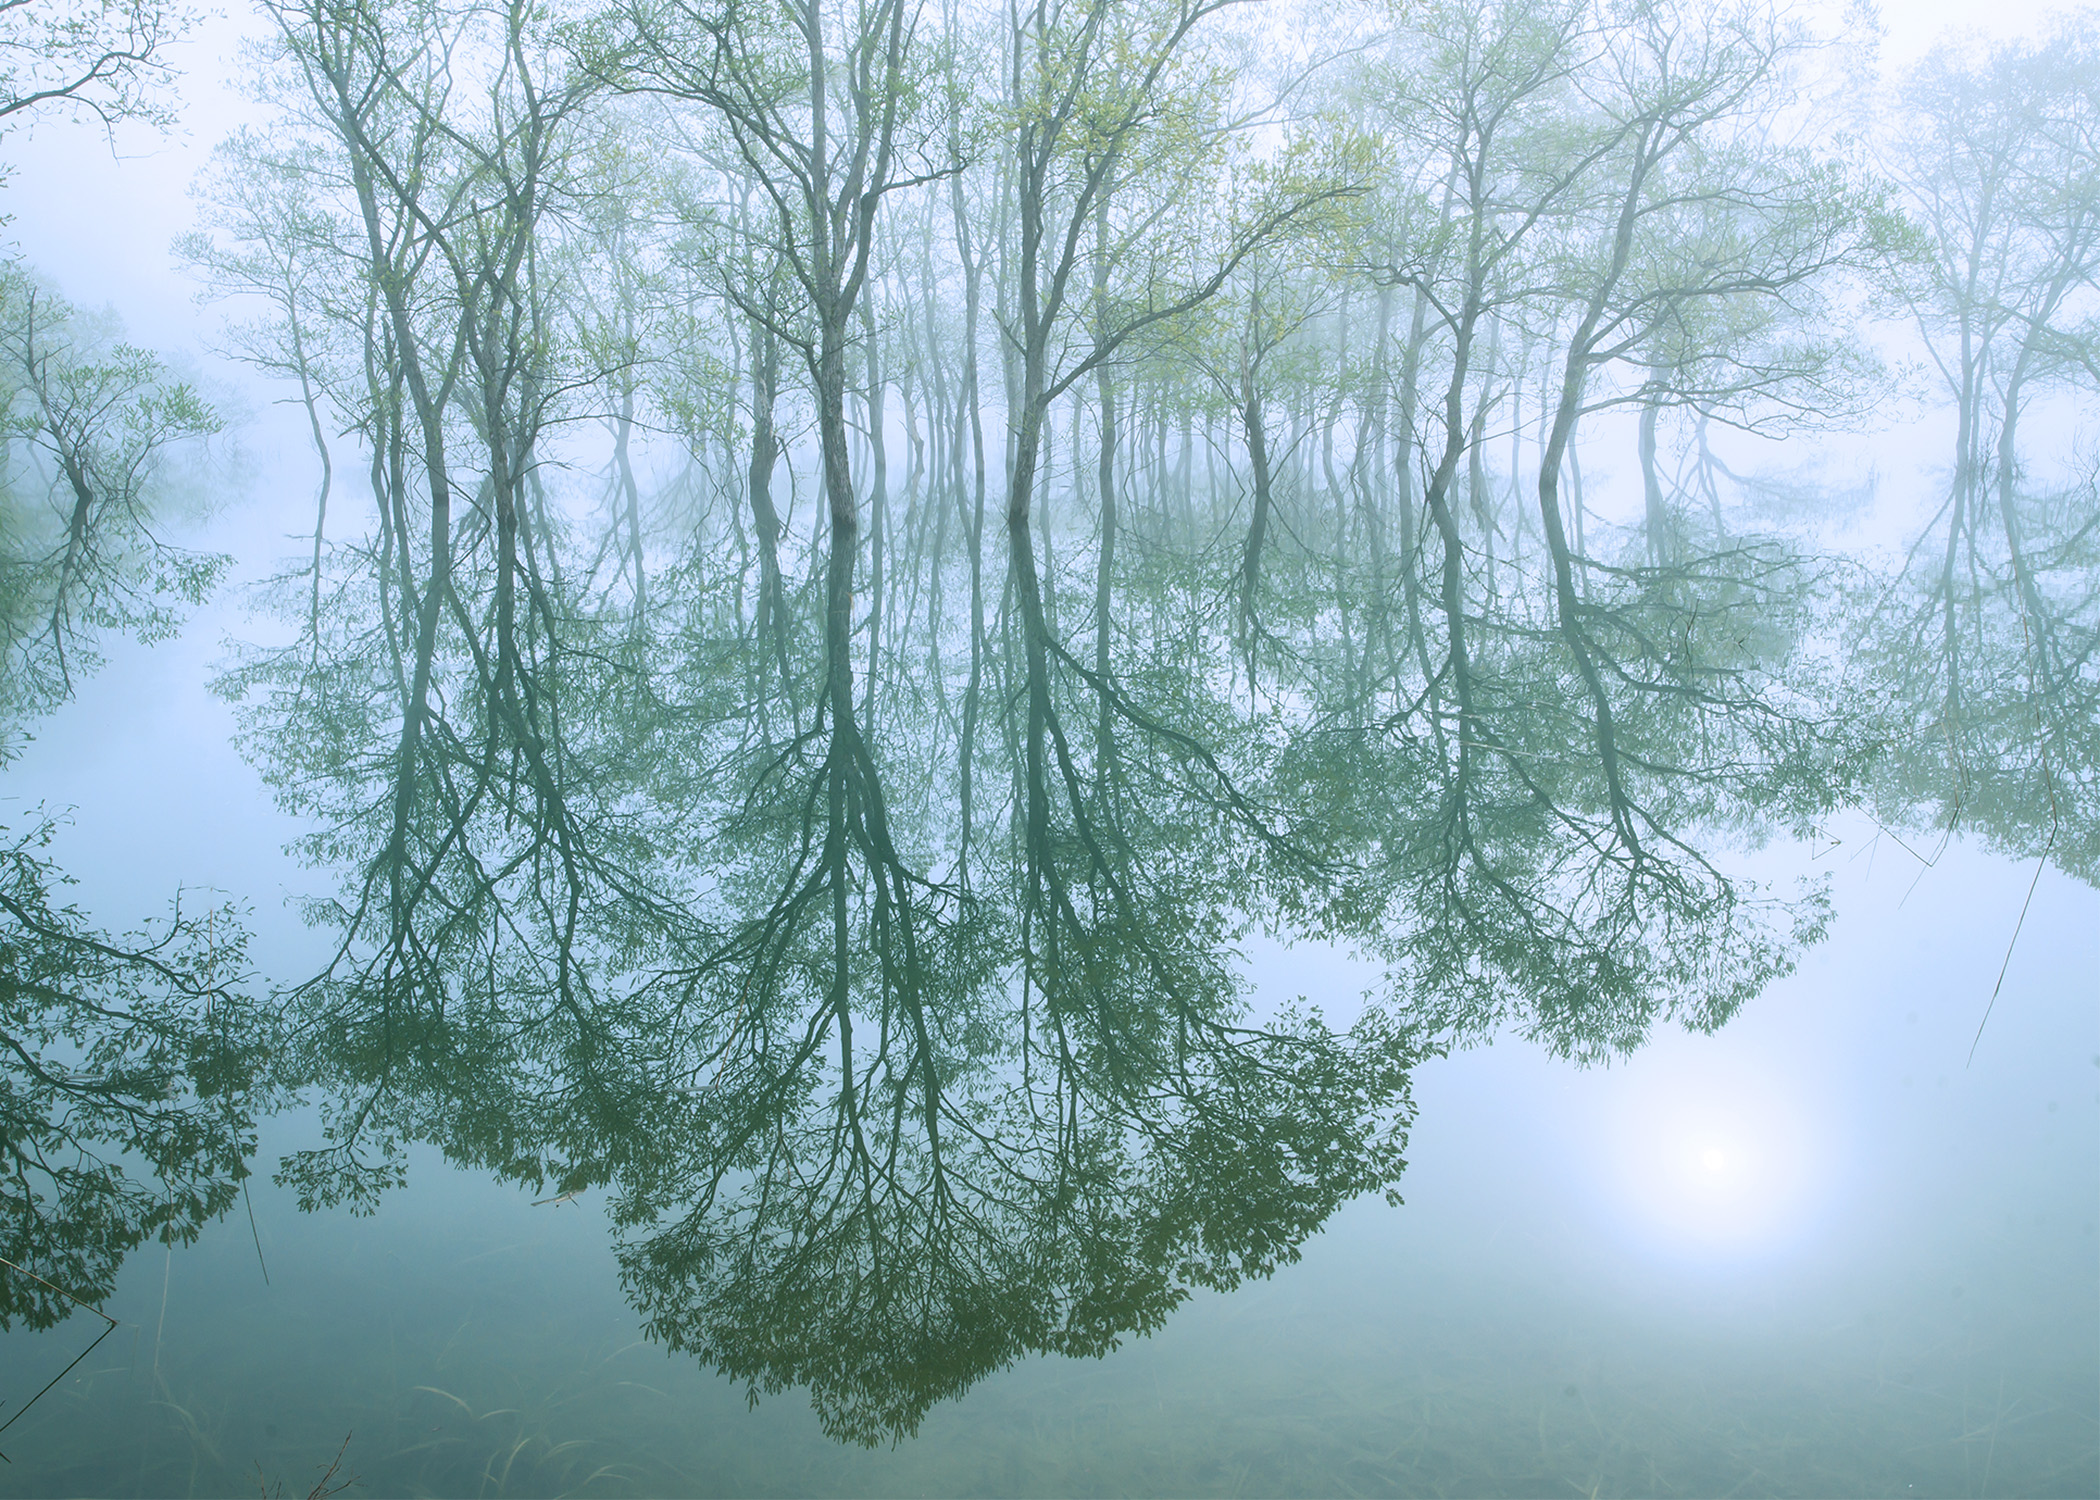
(1183,749)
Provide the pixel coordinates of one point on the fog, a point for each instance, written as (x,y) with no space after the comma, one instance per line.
(1429,968)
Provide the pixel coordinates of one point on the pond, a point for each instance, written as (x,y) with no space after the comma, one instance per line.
(1900,1300)
(1144,747)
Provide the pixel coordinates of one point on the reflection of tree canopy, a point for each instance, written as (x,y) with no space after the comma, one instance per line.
(903,1216)
(855,893)
(126,1087)
(1990,638)
(127,1063)
(1537,838)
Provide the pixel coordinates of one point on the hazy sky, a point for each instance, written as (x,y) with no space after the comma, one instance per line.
(101,226)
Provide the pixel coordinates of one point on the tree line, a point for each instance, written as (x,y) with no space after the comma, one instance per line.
(884,540)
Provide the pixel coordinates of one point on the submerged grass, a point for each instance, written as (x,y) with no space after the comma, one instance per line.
(496,1368)
(1442,1407)
(323,1487)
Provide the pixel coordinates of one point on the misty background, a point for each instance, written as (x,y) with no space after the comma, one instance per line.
(1913,1113)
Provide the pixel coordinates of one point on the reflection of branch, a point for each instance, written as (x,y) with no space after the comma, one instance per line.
(109,1327)
(1251,817)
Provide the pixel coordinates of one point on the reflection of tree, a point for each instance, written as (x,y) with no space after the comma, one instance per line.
(127,1063)
(1500,881)
(881,960)
(907,1216)
(1992,639)
(126,1069)
(886,1198)
(870,1132)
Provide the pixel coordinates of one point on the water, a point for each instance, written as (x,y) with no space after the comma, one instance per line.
(1911,1305)
(1846,1245)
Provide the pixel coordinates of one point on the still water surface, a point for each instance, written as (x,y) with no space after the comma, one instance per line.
(1814,1254)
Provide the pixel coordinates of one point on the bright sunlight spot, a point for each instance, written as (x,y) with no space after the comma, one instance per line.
(1715,1157)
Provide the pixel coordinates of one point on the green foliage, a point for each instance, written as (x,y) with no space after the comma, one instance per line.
(1990,635)
(855,895)
(129,1072)
(108,60)
(129,1065)
(91,427)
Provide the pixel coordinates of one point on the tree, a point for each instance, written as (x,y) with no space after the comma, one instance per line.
(121,1058)
(880,954)
(108,60)
(466,713)
(94,429)
(1109,103)
(1560,725)
(1992,639)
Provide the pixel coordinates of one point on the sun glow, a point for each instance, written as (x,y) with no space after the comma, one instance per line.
(1715,1162)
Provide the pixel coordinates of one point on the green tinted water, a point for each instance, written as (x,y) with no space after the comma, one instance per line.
(467,1344)
(1512,1330)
